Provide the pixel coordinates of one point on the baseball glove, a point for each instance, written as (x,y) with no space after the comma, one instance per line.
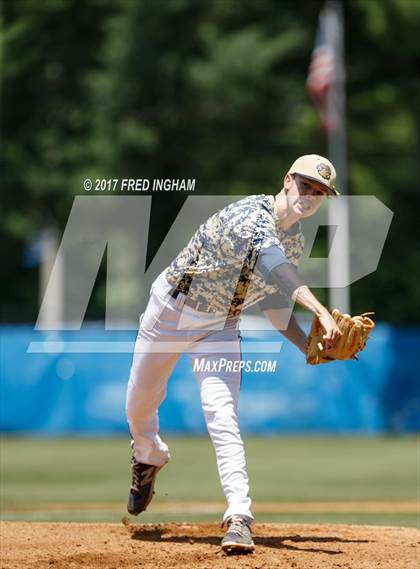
(355,331)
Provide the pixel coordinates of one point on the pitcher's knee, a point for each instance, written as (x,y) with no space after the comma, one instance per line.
(224,417)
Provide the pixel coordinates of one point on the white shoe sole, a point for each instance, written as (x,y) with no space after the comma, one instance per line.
(234,547)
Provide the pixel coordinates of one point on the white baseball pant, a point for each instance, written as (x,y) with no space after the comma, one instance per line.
(168,328)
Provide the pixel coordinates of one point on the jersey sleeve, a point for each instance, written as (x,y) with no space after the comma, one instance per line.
(269,258)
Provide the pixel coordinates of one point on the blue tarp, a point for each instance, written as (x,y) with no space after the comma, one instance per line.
(68,393)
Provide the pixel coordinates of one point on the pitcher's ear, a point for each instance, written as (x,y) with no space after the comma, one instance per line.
(287,182)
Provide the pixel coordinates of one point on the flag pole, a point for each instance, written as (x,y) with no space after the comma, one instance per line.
(338,264)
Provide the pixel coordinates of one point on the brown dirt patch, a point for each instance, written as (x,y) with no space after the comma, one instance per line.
(196,546)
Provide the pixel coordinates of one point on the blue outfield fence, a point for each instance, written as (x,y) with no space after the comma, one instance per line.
(66,393)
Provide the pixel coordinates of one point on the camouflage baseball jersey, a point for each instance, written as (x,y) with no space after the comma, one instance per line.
(218,268)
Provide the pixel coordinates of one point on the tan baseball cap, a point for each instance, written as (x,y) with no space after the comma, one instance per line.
(316,168)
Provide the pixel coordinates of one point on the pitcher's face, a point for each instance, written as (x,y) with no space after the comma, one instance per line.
(304,196)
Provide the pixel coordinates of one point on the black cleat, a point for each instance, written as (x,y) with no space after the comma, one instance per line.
(142,483)
(238,538)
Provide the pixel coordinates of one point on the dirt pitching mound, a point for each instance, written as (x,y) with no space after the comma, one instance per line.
(190,546)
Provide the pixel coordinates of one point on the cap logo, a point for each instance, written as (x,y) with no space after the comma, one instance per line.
(324,170)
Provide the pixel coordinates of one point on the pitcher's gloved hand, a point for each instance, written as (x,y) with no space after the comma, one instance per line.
(355,331)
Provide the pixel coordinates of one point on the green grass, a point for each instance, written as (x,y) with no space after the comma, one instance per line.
(384,519)
(41,472)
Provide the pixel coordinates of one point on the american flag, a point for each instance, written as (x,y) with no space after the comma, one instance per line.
(326,68)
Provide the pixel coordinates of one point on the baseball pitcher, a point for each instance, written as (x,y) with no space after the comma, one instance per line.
(244,254)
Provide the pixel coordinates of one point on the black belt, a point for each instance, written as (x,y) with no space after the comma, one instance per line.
(196,305)
(175,293)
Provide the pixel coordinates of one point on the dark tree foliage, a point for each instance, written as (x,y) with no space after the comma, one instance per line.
(212,90)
